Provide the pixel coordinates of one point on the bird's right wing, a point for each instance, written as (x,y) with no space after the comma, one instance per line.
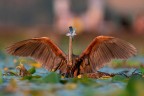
(43,50)
(103,49)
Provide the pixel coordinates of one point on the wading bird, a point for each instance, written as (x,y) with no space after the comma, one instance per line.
(100,51)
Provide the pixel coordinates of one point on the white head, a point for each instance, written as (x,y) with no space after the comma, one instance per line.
(71,32)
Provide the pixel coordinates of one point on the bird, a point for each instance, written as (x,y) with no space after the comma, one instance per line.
(98,53)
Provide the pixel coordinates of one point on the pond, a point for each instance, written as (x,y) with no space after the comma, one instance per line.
(44,83)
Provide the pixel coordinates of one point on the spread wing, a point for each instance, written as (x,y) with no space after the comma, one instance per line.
(104,48)
(43,50)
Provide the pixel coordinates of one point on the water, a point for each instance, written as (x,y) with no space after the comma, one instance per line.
(14,86)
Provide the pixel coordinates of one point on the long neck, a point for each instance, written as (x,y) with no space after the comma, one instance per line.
(70,51)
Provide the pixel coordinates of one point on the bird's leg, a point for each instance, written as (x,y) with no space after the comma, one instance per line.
(69,72)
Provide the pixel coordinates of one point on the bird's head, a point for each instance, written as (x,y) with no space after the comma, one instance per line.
(71,32)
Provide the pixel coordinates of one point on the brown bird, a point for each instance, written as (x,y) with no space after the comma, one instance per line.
(100,51)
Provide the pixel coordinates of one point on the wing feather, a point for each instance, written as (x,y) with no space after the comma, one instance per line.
(42,49)
(105,48)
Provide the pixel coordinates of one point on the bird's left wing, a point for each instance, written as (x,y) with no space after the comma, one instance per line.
(104,48)
(43,50)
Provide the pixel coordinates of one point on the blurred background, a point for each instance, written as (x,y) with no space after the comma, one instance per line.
(24,19)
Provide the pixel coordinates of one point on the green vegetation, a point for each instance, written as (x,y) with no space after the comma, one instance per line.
(53,83)
(1,79)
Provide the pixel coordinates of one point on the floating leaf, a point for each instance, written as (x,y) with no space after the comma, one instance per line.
(88,91)
(12,73)
(1,78)
(32,70)
(142,69)
(30,77)
(135,86)
(70,86)
(26,78)
(120,78)
(84,80)
(51,78)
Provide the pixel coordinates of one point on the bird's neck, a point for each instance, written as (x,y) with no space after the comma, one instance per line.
(70,52)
